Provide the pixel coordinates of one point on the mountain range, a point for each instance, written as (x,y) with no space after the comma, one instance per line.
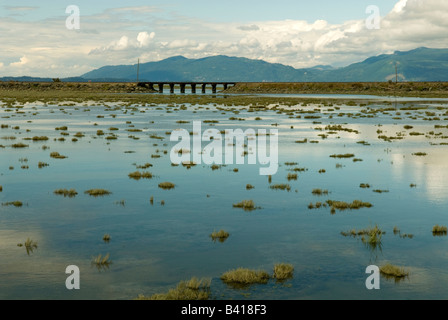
(421,64)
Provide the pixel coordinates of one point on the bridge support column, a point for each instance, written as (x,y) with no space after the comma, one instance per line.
(151,86)
(225,86)
(161,87)
(171,87)
(204,86)
(214,88)
(182,88)
(193,88)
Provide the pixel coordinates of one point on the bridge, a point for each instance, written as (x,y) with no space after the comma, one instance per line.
(183,85)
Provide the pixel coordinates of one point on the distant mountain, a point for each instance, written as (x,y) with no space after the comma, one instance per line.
(422,64)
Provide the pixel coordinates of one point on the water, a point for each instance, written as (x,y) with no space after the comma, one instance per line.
(154,246)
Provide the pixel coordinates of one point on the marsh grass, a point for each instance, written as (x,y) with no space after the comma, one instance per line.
(281,187)
(249,187)
(439,231)
(390,271)
(19,145)
(16,204)
(102,263)
(220,235)
(355,205)
(320,192)
(242,277)
(30,245)
(66,193)
(140,175)
(106,238)
(56,155)
(98,192)
(246,205)
(190,290)
(167,185)
(283,271)
(370,237)
(343,156)
(292,176)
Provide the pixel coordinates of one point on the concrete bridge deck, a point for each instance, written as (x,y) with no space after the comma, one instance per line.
(160,85)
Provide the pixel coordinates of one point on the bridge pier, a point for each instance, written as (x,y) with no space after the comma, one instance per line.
(193,88)
(204,86)
(214,87)
(182,88)
(171,87)
(161,87)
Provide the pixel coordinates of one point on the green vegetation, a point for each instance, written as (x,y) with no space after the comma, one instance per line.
(390,271)
(283,271)
(439,230)
(56,155)
(281,187)
(66,193)
(341,205)
(98,192)
(102,263)
(167,185)
(106,238)
(16,204)
(140,175)
(193,289)
(242,276)
(319,192)
(342,156)
(221,235)
(247,205)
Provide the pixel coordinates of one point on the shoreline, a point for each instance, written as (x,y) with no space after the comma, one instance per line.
(102,90)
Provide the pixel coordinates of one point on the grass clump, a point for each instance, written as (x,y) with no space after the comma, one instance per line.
(167,185)
(16,204)
(30,245)
(343,156)
(281,187)
(66,193)
(319,192)
(242,276)
(190,290)
(283,271)
(420,154)
(98,192)
(439,230)
(394,272)
(101,262)
(249,187)
(247,205)
(106,238)
(221,235)
(19,145)
(140,175)
(56,155)
(355,205)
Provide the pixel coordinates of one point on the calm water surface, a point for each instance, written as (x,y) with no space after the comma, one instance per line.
(154,246)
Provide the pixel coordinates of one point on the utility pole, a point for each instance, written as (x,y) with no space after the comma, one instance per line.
(396,72)
(138,68)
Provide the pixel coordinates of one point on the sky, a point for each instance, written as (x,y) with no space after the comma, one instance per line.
(43,39)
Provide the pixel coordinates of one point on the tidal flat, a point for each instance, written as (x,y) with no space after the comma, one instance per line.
(161,233)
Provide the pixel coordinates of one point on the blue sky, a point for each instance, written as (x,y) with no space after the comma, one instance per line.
(219,11)
(35,41)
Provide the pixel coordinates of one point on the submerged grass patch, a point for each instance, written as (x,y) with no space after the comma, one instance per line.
(439,230)
(355,205)
(167,185)
(281,187)
(247,205)
(16,204)
(190,290)
(98,192)
(102,262)
(220,235)
(66,193)
(56,155)
(140,175)
(394,272)
(283,271)
(244,276)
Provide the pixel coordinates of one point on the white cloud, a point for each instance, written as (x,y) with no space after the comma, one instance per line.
(48,49)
